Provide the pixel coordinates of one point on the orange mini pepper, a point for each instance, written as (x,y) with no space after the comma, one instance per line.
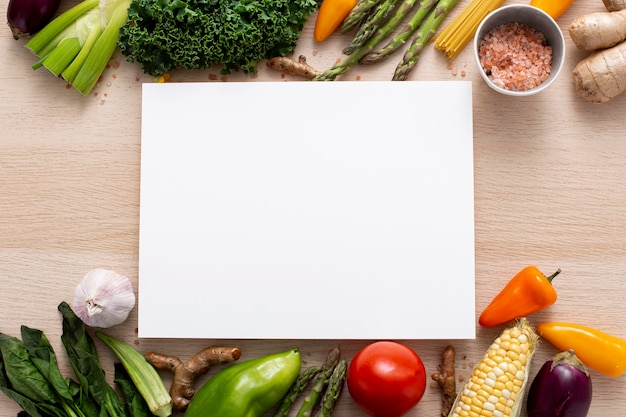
(554,8)
(329,16)
(596,349)
(527,292)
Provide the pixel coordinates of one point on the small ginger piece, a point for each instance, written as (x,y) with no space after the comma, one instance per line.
(446,379)
(598,30)
(185,373)
(292,67)
(602,75)
(614,5)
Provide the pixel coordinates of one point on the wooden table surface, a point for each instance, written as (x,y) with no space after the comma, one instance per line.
(550,186)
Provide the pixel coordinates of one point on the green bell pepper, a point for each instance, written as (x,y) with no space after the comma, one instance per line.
(247,389)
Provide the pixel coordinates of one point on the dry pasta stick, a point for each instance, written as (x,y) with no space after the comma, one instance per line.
(462,28)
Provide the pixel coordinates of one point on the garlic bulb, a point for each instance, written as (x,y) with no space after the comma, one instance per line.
(103,298)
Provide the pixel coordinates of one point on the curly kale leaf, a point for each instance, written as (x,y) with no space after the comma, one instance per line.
(165,35)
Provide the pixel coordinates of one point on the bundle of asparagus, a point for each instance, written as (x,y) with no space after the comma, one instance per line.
(377,20)
(379,34)
(328,381)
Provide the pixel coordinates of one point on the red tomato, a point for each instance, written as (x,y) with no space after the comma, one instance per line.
(386,379)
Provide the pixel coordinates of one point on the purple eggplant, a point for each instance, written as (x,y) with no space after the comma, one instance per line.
(561,388)
(26,17)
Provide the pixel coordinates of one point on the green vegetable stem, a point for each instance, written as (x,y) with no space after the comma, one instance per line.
(296,390)
(79,43)
(370,25)
(380,33)
(358,14)
(320,384)
(247,389)
(333,391)
(423,35)
(143,374)
(397,41)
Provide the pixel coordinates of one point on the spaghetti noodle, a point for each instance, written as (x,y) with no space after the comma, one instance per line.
(462,28)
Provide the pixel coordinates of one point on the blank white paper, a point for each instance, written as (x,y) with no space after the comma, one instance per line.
(307,210)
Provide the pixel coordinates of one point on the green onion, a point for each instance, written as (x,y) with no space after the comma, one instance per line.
(79,43)
(142,373)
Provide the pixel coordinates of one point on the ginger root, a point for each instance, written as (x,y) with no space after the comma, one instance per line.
(292,67)
(446,379)
(614,5)
(602,75)
(185,373)
(598,30)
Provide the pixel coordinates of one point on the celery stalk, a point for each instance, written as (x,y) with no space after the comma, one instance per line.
(58,59)
(46,35)
(102,50)
(79,43)
(70,71)
(88,34)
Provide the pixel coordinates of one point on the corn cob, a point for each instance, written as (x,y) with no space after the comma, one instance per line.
(497,384)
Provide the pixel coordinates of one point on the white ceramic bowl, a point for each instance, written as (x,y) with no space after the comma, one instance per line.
(536,19)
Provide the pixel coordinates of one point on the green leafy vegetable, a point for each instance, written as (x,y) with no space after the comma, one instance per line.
(43,357)
(165,35)
(136,405)
(30,376)
(23,375)
(83,357)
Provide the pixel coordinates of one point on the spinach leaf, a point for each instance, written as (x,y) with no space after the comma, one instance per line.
(29,406)
(136,406)
(43,357)
(20,371)
(83,357)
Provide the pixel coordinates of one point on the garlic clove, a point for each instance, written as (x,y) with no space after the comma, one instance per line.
(103,298)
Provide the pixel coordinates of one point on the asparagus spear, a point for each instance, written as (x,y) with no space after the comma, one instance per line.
(311,400)
(381,33)
(423,35)
(335,385)
(370,24)
(357,14)
(400,39)
(296,390)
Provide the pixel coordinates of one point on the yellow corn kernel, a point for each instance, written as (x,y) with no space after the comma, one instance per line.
(509,385)
(482,393)
(497,383)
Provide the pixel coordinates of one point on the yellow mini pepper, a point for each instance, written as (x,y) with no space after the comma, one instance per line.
(554,8)
(596,349)
(330,15)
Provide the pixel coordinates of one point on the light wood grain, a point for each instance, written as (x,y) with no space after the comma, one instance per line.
(550,183)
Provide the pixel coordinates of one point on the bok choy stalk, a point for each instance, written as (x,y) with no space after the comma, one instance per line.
(143,375)
(79,43)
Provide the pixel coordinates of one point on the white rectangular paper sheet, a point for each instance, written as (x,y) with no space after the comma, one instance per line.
(307,210)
